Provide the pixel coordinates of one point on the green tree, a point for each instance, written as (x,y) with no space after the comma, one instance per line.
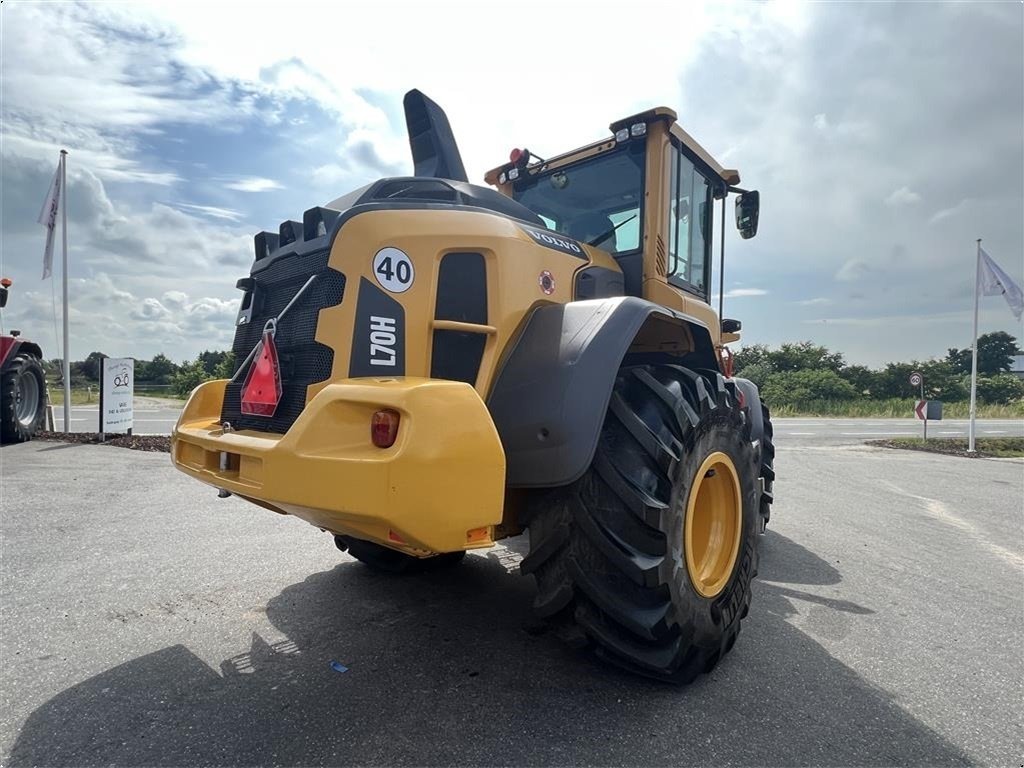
(226,368)
(894,380)
(995,354)
(1002,388)
(88,368)
(54,370)
(805,356)
(189,376)
(757,373)
(941,381)
(796,387)
(755,354)
(959,359)
(862,379)
(212,359)
(161,369)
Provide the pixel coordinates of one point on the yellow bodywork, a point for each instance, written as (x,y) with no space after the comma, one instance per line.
(439,488)
(513,290)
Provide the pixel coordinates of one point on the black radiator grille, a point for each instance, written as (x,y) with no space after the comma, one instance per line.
(457,355)
(462,288)
(462,298)
(303,361)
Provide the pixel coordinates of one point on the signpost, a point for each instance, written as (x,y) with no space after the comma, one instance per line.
(917,380)
(117,390)
(925,409)
(921,413)
(928,409)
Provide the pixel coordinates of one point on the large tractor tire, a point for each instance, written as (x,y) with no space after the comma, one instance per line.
(648,557)
(767,467)
(22,399)
(391,561)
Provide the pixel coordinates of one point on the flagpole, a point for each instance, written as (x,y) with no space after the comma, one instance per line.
(974,348)
(64,233)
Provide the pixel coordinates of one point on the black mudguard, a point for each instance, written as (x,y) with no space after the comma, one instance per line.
(20,347)
(752,401)
(550,397)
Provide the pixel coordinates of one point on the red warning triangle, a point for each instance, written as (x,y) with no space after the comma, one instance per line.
(261,391)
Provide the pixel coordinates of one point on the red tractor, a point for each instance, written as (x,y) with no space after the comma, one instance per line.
(22,384)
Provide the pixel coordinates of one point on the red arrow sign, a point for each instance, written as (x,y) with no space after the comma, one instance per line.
(919,409)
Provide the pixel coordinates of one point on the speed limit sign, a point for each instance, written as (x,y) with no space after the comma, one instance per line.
(915,379)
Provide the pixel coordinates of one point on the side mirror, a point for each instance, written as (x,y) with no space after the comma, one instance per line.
(747,206)
(731,326)
(3,297)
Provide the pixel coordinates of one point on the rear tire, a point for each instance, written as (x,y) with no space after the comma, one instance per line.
(610,551)
(392,561)
(767,467)
(22,399)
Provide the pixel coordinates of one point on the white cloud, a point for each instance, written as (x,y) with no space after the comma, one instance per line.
(165,241)
(80,83)
(947,213)
(902,196)
(329,174)
(852,271)
(106,317)
(252,184)
(737,293)
(176,299)
(144,280)
(845,130)
(88,149)
(815,302)
(212,211)
(313,65)
(893,321)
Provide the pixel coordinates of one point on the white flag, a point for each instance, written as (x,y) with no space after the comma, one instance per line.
(48,218)
(992,281)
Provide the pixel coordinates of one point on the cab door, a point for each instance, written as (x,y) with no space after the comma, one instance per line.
(688,196)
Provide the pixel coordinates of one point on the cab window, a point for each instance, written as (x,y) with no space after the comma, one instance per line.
(597,201)
(689,225)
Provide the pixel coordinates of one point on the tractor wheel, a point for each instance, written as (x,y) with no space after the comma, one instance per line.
(767,468)
(22,399)
(648,557)
(391,561)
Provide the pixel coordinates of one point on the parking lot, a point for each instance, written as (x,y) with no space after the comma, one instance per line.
(146,622)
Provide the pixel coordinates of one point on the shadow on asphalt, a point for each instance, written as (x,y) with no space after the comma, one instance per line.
(446,668)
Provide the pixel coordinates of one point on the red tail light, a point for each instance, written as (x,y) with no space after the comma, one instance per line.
(261,391)
(384,428)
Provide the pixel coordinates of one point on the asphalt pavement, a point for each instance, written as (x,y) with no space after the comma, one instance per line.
(815,431)
(158,416)
(146,622)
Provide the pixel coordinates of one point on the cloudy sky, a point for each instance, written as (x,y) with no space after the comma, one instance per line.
(884,139)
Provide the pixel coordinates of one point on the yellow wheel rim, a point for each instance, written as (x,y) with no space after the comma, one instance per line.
(714,517)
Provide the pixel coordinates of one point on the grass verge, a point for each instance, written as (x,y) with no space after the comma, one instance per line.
(987,447)
(78,396)
(85,397)
(894,408)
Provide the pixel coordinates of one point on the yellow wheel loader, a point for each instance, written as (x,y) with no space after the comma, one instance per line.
(426,366)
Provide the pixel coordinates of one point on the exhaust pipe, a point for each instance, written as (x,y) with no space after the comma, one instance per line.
(434,151)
